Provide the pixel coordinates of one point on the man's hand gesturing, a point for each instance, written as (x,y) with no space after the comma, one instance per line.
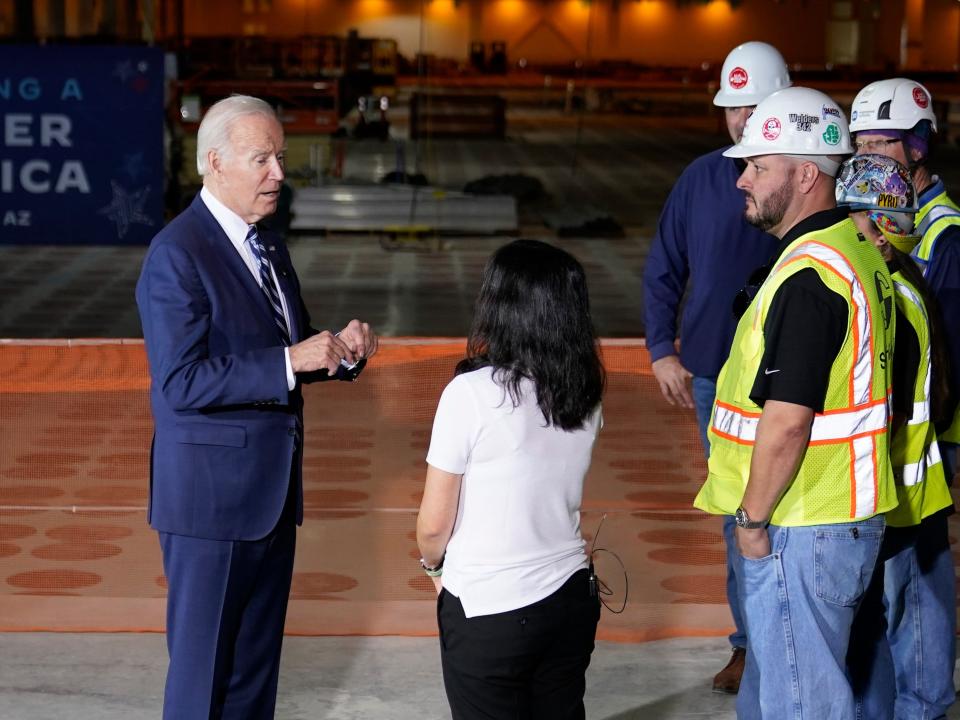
(325,350)
(360,339)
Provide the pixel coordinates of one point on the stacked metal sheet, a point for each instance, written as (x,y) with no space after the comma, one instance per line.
(382,208)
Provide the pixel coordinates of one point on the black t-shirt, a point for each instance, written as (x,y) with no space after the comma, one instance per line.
(804,330)
(906,365)
(803,334)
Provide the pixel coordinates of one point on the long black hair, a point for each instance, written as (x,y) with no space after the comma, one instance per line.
(941,394)
(532,320)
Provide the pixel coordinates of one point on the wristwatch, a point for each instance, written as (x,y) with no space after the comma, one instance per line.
(743,520)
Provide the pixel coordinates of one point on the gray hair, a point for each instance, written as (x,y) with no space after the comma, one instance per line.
(214,132)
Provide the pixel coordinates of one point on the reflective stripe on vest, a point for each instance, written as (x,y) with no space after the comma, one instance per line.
(914,473)
(864,460)
(936,213)
(921,408)
(861,378)
(833,426)
(939,209)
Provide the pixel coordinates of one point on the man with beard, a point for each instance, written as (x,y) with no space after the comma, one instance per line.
(704,241)
(798,437)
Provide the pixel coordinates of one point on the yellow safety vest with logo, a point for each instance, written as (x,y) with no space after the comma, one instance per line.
(845,472)
(917,468)
(933,218)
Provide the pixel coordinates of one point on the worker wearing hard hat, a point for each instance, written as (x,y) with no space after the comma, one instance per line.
(799,431)
(895,118)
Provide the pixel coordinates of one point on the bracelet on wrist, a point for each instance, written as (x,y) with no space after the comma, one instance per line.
(435,571)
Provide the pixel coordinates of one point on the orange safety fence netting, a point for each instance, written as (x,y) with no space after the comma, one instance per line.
(76,552)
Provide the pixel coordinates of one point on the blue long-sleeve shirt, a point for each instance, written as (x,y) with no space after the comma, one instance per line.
(702,238)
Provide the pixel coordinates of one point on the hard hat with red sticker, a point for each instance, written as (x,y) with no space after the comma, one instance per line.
(750,73)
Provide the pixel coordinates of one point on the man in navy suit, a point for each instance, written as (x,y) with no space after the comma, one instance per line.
(229,343)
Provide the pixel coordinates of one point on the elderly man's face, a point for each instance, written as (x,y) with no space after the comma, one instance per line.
(769,187)
(250,172)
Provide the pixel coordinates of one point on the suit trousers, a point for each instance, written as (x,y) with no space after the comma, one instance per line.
(524,664)
(226,607)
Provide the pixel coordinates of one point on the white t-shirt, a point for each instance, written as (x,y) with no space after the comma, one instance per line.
(516,539)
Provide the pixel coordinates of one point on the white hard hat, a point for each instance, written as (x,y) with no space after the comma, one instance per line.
(796,121)
(750,73)
(896,104)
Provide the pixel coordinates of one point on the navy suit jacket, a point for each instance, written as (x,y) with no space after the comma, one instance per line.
(224,449)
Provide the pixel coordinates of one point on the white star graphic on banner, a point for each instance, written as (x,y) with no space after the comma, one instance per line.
(123,70)
(126,208)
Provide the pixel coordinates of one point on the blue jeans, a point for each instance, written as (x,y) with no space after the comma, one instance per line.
(869,660)
(799,604)
(920,594)
(704,393)
(903,647)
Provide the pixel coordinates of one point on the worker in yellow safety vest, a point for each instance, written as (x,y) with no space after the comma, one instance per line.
(895,117)
(915,665)
(799,432)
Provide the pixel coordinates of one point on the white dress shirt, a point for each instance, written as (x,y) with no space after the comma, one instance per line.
(236,230)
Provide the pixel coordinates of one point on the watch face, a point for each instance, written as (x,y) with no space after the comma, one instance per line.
(740,517)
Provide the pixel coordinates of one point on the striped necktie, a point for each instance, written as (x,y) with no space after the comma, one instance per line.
(266,282)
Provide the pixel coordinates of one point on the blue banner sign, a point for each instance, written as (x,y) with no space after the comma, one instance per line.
(81,144)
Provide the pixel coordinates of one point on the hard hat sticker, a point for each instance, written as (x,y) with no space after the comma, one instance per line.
(920,98)
(803,121)
(831,136)
(830,112)
(771,128)
(888,200)
(738,78)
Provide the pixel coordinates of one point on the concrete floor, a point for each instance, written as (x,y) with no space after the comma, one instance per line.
(113,677)
(66,676)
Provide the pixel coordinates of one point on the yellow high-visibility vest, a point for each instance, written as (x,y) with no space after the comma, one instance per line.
(933,218)
(845,472)
(917,468)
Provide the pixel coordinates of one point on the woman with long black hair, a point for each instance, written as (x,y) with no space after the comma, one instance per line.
(499,524)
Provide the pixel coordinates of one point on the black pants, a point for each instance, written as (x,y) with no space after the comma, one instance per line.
(525,664)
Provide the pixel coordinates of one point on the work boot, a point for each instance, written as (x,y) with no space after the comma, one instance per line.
(728,679)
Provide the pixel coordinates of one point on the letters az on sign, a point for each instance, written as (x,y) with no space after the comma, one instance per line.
(81,144)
